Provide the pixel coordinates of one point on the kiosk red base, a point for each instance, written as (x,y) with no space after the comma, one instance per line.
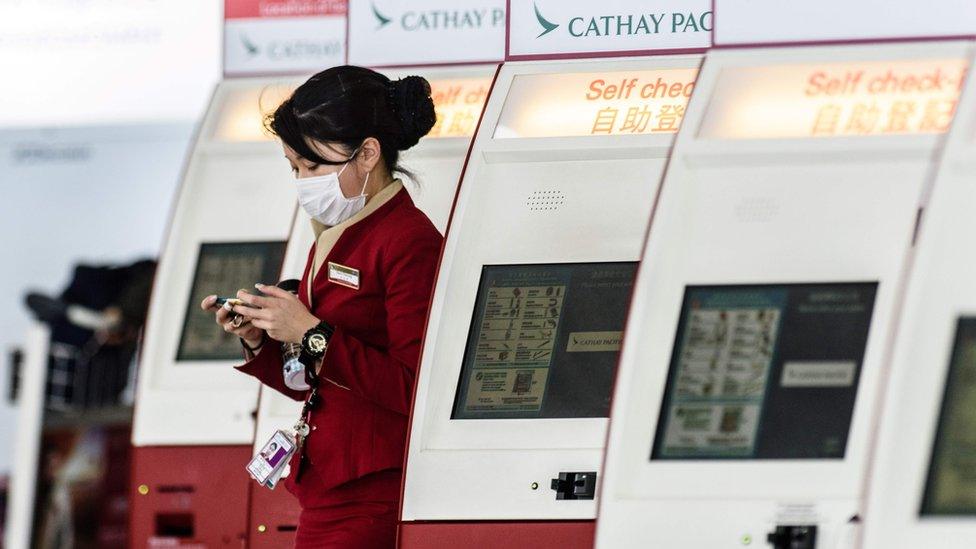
(491,535)
(189,496)
(273,519)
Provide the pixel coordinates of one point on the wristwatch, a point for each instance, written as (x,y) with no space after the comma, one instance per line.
(315,342)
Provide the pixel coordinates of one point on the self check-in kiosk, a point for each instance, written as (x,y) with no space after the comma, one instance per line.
(459,94)
(923,480)
(747,388)
(194,415)
(513,393)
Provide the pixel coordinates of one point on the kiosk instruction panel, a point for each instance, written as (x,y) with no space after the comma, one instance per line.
(222,269)
(951,485)
(544,341)
(764,371)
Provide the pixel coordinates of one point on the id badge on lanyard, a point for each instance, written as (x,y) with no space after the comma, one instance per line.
(271,462)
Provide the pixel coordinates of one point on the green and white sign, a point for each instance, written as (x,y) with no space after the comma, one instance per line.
(421,32)
(547,28)
(263,37)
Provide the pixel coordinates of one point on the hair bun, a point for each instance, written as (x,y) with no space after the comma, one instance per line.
(410,100)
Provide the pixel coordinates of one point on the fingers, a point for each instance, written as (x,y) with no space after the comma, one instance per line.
(246,329)
(262,324)
(275,291)
(223,315)
(252,313)
(253,300)
(233,322)
(208,302)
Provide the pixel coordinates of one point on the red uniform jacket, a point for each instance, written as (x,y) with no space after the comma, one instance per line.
(368,372)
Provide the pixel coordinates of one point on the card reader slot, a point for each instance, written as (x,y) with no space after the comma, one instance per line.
(174,525)
(176,489)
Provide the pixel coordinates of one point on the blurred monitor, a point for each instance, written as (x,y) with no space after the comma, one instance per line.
(764,371)
(951,485)
(222,269)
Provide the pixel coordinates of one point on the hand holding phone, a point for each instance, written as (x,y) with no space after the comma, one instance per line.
(232,322)
(221,301)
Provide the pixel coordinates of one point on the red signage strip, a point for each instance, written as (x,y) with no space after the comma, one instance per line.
(261,9)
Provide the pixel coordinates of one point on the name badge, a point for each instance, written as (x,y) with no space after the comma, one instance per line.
(344,276)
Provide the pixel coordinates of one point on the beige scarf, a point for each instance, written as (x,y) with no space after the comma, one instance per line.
(326,237)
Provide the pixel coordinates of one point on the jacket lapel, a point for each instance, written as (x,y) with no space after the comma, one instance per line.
(326,237)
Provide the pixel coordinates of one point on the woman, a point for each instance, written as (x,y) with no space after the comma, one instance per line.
(361,306)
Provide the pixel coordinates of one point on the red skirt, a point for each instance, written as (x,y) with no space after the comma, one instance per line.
(360,514)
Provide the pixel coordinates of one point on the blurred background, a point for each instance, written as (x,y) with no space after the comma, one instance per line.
(99,103)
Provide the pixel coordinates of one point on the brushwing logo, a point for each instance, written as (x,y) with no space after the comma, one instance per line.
(251,48)
(381,19)
(547,26)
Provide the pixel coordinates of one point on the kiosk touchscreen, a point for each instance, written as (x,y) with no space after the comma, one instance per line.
(750,376)
(194,419)
(459,95)
(747,390)
(532,295)
(923,480)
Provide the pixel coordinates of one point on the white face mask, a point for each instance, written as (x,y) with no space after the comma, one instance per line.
(322,197)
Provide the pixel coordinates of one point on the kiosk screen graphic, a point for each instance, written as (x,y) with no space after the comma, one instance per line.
(764,372)
(222,269)
(951,485)
(544,341)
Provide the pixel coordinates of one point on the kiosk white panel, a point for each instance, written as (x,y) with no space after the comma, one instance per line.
(801,242)
(922,490)
(493,421)
(230,225)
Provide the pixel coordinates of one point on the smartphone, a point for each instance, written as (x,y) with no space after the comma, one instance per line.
(232,300)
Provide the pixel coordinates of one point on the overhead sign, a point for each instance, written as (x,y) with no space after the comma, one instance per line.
(775,21)
(243,112)
(283,36)
(384,33)
(916,96)
(605,103)
(458,103)
(572,28)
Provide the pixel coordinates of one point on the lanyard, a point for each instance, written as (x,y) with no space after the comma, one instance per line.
(302,428)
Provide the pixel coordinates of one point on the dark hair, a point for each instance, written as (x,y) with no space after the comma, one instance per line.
(348,104)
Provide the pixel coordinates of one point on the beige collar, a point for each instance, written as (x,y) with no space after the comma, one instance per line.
(326,237)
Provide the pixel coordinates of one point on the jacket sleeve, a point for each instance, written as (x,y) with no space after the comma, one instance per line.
(386,376)
(266,366)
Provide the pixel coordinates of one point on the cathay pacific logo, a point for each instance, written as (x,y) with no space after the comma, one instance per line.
(547,26)
(440,19)
(627,24)
(291,49)
(381,19)
(250,47)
